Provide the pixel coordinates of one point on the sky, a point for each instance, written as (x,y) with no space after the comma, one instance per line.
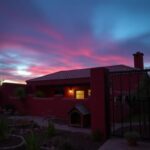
(39,37)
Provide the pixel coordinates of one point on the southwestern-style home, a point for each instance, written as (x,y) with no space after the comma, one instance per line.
(82,97)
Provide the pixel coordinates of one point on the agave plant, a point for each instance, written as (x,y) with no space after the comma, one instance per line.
(20,93)
(4,128)
(32,142)
(51,130)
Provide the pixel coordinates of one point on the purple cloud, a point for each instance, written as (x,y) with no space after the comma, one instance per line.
(40,37)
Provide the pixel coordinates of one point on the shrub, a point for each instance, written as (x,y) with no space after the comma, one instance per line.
(132,135)
(4,128)
(51,130)
(32,142)
(96,135)
(39,94)
(20,93)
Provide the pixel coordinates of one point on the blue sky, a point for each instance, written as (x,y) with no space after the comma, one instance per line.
(38,37)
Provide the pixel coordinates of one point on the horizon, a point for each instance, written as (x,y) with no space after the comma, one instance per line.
(43,37)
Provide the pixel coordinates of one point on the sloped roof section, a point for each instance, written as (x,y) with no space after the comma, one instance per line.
(78,73)
(120,68)
(81,108)
(70,74)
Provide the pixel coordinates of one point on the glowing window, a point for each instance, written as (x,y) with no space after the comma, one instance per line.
(89,92)
(79,94)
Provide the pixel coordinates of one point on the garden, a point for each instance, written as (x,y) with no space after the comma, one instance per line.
(25,134)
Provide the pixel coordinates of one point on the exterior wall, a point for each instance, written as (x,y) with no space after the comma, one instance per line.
(74,89)
(115,111)
(123,85)
(56,107)
(59,106)
(125,82)
(51,91)
(34,86)
(99,97)
(8,90)
(20,106)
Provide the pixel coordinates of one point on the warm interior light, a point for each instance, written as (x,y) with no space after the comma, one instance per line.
(89,92)
(71,91)
(80,94)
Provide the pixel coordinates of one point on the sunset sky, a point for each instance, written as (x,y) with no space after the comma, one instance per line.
(38,37)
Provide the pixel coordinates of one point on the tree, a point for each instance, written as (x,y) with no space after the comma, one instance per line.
(20,93)
(143,94)
(144,88)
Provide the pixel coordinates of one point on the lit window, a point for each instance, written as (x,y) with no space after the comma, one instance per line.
(79,94)
(89,92)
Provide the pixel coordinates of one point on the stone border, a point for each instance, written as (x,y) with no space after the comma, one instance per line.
(16,146)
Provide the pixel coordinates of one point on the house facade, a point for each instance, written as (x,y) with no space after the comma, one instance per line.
(80,97)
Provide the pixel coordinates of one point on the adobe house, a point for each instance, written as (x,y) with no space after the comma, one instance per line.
(58,94)
(74,84)
(80,97)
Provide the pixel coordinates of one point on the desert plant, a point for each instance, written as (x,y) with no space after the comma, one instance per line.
(39,94)
(32,142)
(20,93)
(4,128)
(96,135)
(51,130)
(132,137)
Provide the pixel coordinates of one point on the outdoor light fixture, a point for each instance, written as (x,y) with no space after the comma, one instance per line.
(71,91)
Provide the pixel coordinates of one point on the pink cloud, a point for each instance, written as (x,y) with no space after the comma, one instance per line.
(50,31)
(84,49)
(63,49)
(65,52)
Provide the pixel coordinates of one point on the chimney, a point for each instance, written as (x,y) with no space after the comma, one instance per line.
(138,60)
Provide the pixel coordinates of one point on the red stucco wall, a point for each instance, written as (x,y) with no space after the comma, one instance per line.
(99,97)
(8,90)
(57,107)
